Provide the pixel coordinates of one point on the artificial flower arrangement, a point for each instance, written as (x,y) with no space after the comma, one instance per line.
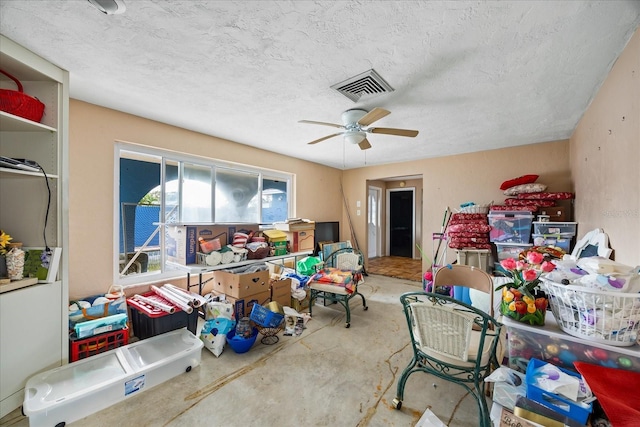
(521,298)
(4,242)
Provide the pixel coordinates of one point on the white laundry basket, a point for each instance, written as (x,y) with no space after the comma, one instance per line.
(605,317)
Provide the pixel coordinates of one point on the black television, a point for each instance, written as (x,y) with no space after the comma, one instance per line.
(326,232)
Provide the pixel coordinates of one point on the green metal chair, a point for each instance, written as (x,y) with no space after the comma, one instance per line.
(451,340)
(345,259)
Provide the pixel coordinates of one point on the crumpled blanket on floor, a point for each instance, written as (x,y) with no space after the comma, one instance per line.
(335,276)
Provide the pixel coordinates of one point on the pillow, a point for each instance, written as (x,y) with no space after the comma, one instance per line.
(524,179)
(524,202)
(564,195)
(525,188)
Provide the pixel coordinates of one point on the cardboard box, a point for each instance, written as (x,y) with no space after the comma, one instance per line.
(555,213)
(508,419)
(241,285)
(182,240)
(281,291)
(275,236)
(301,306)
(242,306)
(295,226)
(301,240)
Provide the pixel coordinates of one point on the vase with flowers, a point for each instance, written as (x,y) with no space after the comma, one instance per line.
(4,248)
(522,299)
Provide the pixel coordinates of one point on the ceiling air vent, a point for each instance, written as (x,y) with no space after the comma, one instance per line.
(367,83)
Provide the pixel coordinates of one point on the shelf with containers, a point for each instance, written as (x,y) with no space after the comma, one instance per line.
(26,198)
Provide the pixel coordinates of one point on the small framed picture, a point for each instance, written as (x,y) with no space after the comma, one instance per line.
(42,263)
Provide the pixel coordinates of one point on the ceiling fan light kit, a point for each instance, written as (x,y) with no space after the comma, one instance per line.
(356,124)
(354,137)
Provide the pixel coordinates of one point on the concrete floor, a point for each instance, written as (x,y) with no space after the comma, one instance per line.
(328,376)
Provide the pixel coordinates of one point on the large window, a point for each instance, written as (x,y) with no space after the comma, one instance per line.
(157,188)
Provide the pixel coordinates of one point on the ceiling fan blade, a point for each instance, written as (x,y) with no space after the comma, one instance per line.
(373,115)
(324,137)
(364,145)
(391,131)
(321,123)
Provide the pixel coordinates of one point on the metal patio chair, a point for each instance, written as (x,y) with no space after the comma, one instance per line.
(451,340)
(344,260)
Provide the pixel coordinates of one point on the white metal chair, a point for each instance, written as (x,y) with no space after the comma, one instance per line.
(345,260)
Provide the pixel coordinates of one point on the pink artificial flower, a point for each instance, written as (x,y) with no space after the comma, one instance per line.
(428,276)
(548,266)
(521,265)
(535,257)
(508,264)
(529,275)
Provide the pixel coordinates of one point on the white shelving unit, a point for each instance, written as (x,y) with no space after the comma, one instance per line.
(33,319)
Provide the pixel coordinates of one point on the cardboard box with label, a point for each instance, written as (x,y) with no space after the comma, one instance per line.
(242,284)
(182,240)
(300,235)
(242,306)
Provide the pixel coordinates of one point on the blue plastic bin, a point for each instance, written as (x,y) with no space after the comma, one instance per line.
(572,409)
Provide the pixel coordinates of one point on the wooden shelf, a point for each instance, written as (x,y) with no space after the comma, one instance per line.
(11,123)
(17,284)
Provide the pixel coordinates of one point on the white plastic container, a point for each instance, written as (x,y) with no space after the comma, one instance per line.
(79,389)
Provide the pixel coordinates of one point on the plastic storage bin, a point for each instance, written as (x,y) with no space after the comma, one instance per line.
(551,344)
(575,410)
(546,227)
(474,257)
(83,348)
(148,322)
(510,226)
(77,390)
(510,250)
(562,241)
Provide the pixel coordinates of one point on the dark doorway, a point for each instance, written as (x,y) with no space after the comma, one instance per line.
(401,223)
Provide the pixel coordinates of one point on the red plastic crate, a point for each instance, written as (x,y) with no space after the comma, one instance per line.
(83,348)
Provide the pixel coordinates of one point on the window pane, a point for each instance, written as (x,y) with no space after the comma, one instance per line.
(196,193)
(235,196)
(171,192)
(139,210)
(275,205)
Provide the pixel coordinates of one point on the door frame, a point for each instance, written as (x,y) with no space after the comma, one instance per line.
(378,227)
(413,218)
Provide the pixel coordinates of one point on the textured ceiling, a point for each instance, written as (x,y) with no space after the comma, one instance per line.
(469,75)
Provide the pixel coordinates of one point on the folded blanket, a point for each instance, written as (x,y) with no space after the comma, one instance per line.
(336,277)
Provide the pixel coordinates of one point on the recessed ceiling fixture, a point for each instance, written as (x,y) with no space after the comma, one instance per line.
(367,83)
(109,7)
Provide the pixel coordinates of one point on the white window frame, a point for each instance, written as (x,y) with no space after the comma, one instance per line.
(119,147)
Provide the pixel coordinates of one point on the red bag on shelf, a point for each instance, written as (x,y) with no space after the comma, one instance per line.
(18,103)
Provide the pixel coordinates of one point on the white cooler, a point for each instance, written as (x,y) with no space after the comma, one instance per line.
(79,389)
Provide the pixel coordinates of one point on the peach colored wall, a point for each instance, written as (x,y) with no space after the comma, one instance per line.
(450,181)
(605,158)
(92,133)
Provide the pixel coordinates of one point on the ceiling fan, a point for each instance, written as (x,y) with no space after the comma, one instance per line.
(356,126)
